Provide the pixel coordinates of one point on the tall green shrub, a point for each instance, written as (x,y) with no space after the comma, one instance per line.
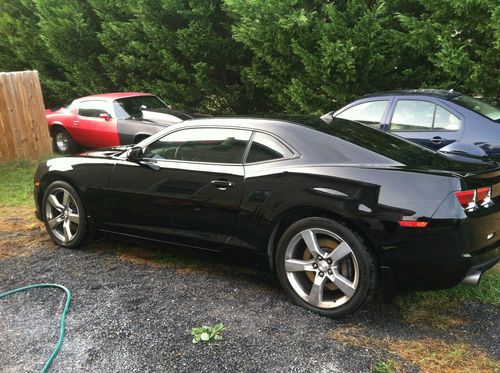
(314,55)
(459,41)
(181,50)
(22,48)
(253,55)
(69,30)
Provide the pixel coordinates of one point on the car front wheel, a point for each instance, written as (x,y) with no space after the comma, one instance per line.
(63,143)
(325,267)
(64,215)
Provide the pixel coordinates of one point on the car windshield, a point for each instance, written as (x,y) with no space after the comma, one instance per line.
(132,107)
(478,106)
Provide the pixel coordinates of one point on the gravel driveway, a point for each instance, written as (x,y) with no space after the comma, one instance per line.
(133,309)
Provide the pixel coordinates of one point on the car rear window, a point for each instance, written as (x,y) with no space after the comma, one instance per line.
(478,106)
(391,146)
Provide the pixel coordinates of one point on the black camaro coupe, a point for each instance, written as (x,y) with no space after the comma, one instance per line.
(338,210)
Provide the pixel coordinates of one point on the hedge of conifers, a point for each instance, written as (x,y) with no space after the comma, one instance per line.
(253,55)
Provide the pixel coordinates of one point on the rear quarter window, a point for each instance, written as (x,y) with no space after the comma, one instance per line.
(265,148)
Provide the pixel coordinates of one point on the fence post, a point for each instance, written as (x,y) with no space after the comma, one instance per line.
(23,126)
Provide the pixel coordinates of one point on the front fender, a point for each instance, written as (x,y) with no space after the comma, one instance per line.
(89,176)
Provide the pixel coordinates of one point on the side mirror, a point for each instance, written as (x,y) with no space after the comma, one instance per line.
(105,116)
(328,117)
(135,154)
(170,107)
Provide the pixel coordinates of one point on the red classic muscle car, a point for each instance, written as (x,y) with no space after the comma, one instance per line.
(109,119)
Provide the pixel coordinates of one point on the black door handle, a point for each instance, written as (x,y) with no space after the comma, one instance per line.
(222,184)
(437,140)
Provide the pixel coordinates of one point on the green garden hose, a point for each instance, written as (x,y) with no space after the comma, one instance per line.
(63,315)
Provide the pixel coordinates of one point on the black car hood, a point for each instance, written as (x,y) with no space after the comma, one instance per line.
(104,152)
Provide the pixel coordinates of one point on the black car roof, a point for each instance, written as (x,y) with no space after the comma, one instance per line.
(264,122)
(439,93)
(351,140)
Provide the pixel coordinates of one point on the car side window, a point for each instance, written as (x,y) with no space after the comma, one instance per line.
(93,109)
(445,121)
(265,148)
(369,113)
(210,145)
(414,115)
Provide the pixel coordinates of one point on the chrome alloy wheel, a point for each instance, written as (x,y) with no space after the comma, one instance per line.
(330,277)
(62,141)
(62,215)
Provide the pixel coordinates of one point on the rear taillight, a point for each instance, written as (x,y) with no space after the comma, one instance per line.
(467,198)
(471,199)
(484,196)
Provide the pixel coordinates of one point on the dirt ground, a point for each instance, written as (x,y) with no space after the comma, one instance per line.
(134,306)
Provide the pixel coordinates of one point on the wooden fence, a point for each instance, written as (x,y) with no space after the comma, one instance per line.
(23,127)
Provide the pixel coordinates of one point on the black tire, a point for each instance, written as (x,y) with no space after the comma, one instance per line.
(63,143)
(57,215)
(333,302)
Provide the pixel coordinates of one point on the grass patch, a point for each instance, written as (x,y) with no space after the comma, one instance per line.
(428,354)
(16,182)
(441,308)
(21,234)
(387,366)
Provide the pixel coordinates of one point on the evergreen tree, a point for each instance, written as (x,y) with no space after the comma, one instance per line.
(253,56)
(181,50)
(459,41)
(21,47)
(312,56)
(68,30)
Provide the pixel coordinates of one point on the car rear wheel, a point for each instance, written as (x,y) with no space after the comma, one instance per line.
(64,215)
(63,143)
(325,267)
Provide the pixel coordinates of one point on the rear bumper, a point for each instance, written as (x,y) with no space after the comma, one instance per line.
(478,270)
(449,274)
(442,255)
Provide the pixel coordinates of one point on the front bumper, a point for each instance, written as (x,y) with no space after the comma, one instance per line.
(40,172)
